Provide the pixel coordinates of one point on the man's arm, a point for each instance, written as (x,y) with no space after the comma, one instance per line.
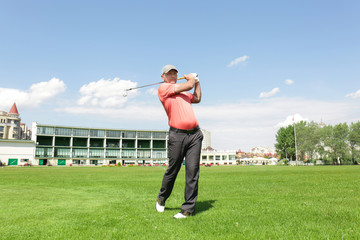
(183,87)
(197,93)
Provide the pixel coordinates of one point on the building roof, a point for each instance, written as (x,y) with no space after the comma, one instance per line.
(13,109)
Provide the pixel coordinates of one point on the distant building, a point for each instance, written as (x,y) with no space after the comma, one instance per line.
(206,142)
(64,145)
(218,157)
(261,151)
(61,145)
(11,126)
(25,132)
(16,152)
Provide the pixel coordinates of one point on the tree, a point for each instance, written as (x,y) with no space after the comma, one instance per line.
(301,139)
(285,146)
(337,144)
(308,139)
(354,141)
(340,143)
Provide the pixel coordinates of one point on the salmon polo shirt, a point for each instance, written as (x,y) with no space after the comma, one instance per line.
(178,107)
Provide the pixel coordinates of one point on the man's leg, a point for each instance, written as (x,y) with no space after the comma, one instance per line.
(176,157)
(192,164)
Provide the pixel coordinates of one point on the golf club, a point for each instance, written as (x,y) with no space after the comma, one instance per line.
(129,89)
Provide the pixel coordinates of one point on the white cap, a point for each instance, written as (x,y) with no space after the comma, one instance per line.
(167,68)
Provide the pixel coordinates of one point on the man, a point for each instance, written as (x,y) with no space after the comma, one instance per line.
(185,137)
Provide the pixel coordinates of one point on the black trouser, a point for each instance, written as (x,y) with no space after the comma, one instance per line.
(182,145)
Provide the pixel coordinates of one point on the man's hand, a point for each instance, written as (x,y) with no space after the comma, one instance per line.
(189,76)
(183,87)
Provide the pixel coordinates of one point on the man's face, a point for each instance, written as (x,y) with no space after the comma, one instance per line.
(170,76)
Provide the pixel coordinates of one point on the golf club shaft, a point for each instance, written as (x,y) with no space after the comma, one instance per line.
(129,89)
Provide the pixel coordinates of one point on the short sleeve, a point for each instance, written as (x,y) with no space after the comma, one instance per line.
(166,90)
(191,96)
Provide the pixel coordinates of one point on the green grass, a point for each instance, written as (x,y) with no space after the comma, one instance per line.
(235,202)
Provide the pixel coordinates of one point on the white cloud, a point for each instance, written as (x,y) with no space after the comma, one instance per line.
(354,94)
(37,94)
(269,94)
(134,112)
(248,124)
(152,91)
(291,119)
(106,93)
(289,82)
(238,60)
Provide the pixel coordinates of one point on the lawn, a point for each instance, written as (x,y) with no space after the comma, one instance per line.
(235,202)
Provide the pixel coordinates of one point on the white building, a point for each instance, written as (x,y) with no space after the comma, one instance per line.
(10,124)
(17,152)
(218,157)
(64,145)
(206,142)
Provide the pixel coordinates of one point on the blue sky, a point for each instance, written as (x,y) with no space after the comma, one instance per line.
(259,63)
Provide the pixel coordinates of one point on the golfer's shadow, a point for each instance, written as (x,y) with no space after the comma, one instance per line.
(201,206)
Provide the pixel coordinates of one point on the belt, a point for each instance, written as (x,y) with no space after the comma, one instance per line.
(194,130)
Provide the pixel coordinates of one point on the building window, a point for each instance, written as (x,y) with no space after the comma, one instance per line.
(204,158)
(128,143)
(143,144)
(224,157)
(44,140)
(96,153)
(159,154)
(94,162)
(159,144)
(45,130)
(1,128)
(144,154)
(63,131)
(144,134)
(80,132)
(128,134)
(96,142)
(231,157)
(112,153)
(62,152)
(211,158)
(80,142)
(112,143)
(80,153)
(24,160)
(128,153)
(159,134)
(97,133)
(113,134)
(43,152)
(77,162)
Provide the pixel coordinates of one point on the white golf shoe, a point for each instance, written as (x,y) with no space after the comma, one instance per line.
(182,215)
(159,208)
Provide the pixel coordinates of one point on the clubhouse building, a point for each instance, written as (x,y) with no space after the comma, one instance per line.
(75,146)
(78,146)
